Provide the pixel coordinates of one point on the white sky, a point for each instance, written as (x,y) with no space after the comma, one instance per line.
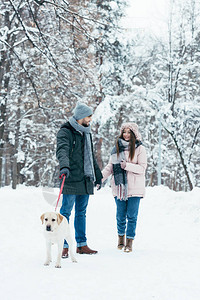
(147,14)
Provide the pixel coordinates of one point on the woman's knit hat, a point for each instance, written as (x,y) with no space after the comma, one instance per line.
(133,127)
(82,111)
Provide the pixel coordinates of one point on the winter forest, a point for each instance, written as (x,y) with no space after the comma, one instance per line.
(54,53)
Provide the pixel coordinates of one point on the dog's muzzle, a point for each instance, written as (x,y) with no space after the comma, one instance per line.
(48,228)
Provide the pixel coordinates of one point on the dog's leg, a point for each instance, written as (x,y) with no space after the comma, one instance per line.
(60,247)
(48,258)
(71,252)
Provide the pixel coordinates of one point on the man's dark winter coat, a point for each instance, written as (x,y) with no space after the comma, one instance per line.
(70,154)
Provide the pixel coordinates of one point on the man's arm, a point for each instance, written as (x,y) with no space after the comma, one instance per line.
(63,148)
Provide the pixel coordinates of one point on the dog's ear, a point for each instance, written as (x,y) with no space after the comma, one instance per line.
(42,218)
(60,218)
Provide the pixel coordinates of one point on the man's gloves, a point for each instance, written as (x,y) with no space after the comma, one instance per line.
(123,164)
(98,185)
(64,171)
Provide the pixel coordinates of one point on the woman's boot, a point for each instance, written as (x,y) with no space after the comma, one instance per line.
(128,247)
(120,242)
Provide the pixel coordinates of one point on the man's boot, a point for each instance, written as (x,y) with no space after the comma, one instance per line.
(128,247)
(85,250)
(120,242)
(65,253)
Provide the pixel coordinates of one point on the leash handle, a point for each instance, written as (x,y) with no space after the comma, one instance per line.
(61,188)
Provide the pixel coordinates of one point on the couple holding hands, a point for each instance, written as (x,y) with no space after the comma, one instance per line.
(127,165)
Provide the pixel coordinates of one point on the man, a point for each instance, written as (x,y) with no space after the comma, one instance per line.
(77,162)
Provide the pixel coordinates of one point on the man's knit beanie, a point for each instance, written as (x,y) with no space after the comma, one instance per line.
(133,127)
(82,111)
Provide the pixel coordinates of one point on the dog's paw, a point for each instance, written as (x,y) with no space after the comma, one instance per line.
(47,263)
(57,266)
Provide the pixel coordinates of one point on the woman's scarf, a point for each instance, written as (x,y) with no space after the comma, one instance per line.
(88,157)
(120,175)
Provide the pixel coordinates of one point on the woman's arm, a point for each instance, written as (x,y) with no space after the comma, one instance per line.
(141,166)
(107,171)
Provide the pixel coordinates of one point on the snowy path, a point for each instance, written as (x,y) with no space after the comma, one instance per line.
(165,263)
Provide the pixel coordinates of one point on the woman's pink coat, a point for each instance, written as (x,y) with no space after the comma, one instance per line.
(135,173)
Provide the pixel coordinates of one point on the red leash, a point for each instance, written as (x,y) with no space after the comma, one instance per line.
(60,189)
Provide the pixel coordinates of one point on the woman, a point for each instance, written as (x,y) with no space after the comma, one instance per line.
(127,164)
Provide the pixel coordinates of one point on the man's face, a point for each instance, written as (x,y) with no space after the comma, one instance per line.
(85,121)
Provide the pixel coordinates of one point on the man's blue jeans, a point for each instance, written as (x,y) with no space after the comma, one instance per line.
(81,202)
(127,211)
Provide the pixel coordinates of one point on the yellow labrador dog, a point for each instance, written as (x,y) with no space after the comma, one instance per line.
(56,230)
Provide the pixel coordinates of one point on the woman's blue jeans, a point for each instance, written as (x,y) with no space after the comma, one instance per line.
(81,202)
(126,215)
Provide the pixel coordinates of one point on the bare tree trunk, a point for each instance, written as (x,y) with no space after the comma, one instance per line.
(2,128)
(182,159)
(98,143)
(98,155)
(151,179)
(7,168)
(4,83)
(15,148)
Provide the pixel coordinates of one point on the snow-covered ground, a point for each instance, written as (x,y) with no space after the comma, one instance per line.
(164,265)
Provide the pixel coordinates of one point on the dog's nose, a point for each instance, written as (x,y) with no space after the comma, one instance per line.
(48,227)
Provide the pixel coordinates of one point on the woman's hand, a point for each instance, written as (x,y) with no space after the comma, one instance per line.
(123,164)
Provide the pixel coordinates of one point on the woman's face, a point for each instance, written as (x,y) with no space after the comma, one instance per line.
(126,134)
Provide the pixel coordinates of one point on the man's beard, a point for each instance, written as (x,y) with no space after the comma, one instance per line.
(85,125)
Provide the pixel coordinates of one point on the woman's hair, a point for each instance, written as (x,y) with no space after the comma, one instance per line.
(131,144)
